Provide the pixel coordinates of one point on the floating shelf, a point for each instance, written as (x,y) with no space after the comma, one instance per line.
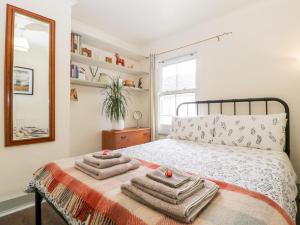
(91,38)
(135,89)
(87,83)
(104,65)
(99,85)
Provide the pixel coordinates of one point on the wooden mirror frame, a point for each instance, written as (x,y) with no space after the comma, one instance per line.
(8,87)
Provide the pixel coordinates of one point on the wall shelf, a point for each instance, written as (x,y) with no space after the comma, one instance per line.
(104,65)
(87,83)
(135,89)
(92,38)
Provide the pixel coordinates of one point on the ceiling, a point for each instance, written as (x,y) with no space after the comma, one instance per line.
(142,21)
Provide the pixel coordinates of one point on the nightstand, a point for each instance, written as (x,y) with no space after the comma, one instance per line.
(115,139)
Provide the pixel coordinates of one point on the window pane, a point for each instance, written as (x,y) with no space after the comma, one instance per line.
(186,81)
(186,110)
(167,109)
(187,66)
(186,75)
(176,77)
(168,78)
(167,105)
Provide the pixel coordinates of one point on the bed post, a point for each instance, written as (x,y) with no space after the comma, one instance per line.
(38,212)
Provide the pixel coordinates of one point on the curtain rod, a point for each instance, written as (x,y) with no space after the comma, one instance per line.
(218,37)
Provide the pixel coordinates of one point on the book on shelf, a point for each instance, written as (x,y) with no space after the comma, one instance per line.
(74,71)
(75,43)
(77,72)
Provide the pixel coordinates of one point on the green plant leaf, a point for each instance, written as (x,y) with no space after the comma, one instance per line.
(115,102)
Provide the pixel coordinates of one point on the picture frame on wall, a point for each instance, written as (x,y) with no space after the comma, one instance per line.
(23,80)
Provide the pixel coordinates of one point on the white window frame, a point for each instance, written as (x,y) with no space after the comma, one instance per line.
(162,128)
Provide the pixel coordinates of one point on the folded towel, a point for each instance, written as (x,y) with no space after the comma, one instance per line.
(109,155)
(101,174)
(166,193)
(104,163)
(178,178)
(185,212)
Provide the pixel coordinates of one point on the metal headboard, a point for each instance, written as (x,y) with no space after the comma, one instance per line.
(249,101)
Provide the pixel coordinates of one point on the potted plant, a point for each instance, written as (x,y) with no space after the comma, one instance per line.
(115,104)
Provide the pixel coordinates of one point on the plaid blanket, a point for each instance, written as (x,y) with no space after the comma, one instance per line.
(84,200)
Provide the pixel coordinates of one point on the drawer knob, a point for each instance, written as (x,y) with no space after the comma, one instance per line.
(123,137)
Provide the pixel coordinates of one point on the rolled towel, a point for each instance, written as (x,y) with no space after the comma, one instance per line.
(104,163)
(109,155)
(178,177)
(166,193)
(185,212)
(101,174)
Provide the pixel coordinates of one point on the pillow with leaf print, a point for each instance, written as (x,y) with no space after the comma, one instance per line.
(254,131)
(198,129)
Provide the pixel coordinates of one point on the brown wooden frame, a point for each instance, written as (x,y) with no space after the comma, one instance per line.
(8,88)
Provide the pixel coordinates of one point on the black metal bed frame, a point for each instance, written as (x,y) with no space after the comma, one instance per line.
(40,196)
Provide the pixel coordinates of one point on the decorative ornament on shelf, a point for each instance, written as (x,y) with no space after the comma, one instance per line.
(81,73)
(119,60)
(108,59)
(93,72)
(137,115)
(128,83)
(86,52)
(140,83)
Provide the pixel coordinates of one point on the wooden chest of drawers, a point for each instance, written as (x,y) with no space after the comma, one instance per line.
(115,139)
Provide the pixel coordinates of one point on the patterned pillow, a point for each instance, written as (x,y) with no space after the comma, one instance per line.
(257,131)
(199,129)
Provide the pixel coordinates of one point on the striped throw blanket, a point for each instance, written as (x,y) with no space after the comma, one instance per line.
(84,200)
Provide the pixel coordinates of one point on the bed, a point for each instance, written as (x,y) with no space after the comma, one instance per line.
(266,175)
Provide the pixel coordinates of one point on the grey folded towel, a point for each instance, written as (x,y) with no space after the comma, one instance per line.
(166,193)
(178,178)
(185,212)
(104,163)
(110,155)
(101,174)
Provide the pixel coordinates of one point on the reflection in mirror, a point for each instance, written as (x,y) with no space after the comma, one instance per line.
(30,78)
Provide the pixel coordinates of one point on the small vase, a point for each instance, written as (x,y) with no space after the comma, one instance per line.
(118,125)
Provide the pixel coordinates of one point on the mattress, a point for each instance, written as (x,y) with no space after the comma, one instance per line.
(267,172)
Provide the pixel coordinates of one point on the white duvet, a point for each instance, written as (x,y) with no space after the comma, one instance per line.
(266,172)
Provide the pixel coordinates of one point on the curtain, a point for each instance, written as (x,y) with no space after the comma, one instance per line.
(153,104)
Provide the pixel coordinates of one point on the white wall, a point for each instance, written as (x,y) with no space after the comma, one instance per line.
(18,163)
(87,121)
(258,60)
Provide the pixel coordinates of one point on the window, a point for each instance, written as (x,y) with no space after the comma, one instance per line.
(177,84)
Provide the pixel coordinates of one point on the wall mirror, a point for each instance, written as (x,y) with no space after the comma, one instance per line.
(29,78)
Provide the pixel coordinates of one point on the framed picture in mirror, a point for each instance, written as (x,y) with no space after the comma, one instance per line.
(29,78)
(23,80)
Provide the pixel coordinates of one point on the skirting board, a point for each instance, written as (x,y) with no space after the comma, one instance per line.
(16,204)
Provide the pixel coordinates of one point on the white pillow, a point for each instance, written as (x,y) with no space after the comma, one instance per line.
(199,129)
(256,131)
